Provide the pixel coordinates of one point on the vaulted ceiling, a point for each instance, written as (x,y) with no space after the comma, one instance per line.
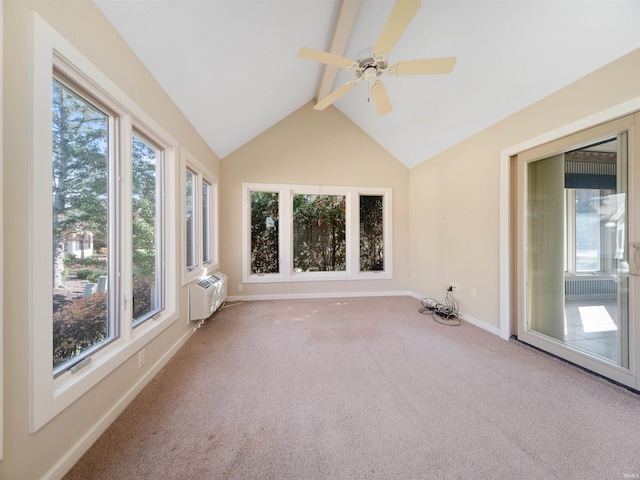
(231,65)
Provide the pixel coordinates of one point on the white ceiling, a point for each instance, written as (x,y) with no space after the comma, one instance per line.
(231,65)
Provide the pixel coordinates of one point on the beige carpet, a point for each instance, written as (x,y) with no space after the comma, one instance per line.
(365,388)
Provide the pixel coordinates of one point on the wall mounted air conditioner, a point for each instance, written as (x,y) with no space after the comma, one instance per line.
(207,295)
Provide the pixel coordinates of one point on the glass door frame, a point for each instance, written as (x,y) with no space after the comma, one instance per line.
(625,376)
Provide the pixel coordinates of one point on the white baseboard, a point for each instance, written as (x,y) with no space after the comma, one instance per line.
(65,463)
(480,324)
(303,296)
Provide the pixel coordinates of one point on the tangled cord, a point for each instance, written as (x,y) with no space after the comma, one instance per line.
(446,314)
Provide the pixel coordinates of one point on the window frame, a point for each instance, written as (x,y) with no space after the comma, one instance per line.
(191,249)
(206,236)
(285,215)
(571,263)
(154,140)
(203,174)
(113,121)
(48,395)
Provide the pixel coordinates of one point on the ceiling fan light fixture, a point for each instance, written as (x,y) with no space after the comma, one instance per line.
(370,74)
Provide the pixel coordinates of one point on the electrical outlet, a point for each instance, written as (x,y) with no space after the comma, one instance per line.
(141,358)
(454,287)
(474,293)
(239,287)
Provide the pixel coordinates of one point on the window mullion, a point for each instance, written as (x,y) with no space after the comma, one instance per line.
(123,220)
(353,232)
(197,207)
(570,200)
(387,234)
(286,231)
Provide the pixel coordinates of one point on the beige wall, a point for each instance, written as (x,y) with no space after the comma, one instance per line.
(312,148)
(455,203)
(30,456)
(445,211)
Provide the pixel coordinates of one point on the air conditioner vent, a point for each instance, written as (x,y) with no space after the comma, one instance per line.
(206,296)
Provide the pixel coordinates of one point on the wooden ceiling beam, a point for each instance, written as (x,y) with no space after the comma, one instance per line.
(345,18)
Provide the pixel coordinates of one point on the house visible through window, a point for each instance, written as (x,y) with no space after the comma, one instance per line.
(82,206)
(85,228)
(101,172)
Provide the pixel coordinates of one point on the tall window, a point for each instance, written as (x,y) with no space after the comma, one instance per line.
(101,171)
(207,254)
(265,236)
(371,233)
(588,222)
(146,228)
(84,240)
(592,207)
(82,319)
(319,233)
(294,232)
(200,219)
(190,219)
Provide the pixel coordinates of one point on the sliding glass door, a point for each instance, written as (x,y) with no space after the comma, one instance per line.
(574,274)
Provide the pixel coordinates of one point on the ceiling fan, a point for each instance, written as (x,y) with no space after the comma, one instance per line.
(374,62)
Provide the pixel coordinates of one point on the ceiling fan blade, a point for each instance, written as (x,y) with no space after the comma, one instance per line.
(427,66)
(325,57)
(380,98)
(335,95)
(402,13)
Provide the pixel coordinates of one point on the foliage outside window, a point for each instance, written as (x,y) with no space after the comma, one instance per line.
(146,220)
(100,170)
(371,233)
(316,233)
(319,233)
(265,230)
(84,289)
(81,317)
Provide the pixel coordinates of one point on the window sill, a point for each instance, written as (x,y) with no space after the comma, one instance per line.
(316,277)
